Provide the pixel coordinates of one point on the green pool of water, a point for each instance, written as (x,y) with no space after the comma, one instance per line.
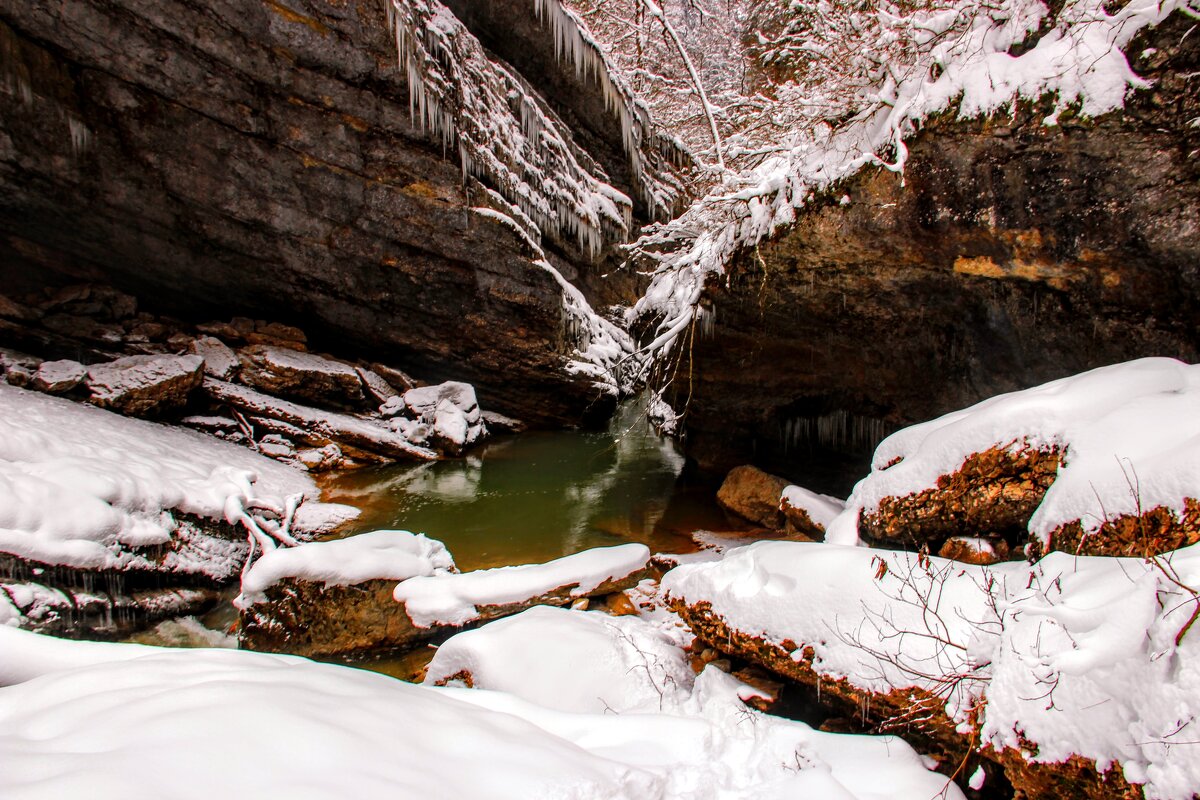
(538,496)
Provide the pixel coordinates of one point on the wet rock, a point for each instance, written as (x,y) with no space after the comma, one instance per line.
(57,377)
(995,491)
(11,309)
(754,495)
(144,385)
(220,361)
(301,376)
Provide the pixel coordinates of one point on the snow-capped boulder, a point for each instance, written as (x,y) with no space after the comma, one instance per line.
(144,385)
(1105,462)
(307,377)
(450,410)
(807,512)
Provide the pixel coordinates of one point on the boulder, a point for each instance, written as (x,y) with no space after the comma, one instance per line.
(220,361)
(144,385)
(754,495)
(995,492)
(973,550)
(808,513)
(379,389)
(301,376)
(450,410)
(56,377)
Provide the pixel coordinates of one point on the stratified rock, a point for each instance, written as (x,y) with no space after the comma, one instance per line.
(754,495)
(499,423)
(376,386)
(346,430)
(18,368)
(11,309)
(144,385)
(301,376)
(395,377)
(994,492)
(220,361)
(276,333)
(57,377)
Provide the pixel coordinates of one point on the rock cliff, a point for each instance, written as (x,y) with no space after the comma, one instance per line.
(259,158)
(1008,254)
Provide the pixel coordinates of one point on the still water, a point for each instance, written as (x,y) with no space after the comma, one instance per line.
(538,496)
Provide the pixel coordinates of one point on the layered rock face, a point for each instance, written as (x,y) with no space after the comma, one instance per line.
(1009,254)
(258,158)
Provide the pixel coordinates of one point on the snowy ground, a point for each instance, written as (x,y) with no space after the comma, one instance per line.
(82,719)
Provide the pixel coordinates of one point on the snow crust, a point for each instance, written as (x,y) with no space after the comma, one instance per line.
(965,53)
(453,599)
(81,487)
(1131,434)
(1076,654)
(390,555)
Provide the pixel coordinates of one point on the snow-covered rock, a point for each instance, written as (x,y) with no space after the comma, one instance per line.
(144,385)
(86,488)
(808,512)
(456,599)
(388,555)
(1128,437)
(451,411)
(942,648)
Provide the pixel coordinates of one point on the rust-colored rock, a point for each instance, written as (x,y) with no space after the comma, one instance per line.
(752,494)
(993,493)
(1074,778)
(618,604)
(1154,532)
(968,550)
(913,714)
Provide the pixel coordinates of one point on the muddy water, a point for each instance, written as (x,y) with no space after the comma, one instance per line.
(538,496)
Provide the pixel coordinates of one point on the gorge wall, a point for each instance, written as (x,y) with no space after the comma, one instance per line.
(1009,254)
(254,157)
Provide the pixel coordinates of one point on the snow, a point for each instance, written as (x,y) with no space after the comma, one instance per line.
(1076,655)
(569,660)
(959,52)
(82,487)
(622,687)
(117,721)
(1131,434)
(453,599)
(389,555)
(821,508)
(450,408)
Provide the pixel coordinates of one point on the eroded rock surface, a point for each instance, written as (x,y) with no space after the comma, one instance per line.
(145,385)
(1008,254)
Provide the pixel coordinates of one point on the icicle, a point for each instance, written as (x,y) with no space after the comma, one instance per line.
(81,137)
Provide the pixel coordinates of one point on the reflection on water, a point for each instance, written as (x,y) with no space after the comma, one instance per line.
(532,497)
